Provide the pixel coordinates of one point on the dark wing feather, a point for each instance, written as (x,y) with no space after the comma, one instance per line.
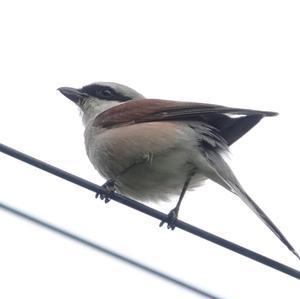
(231,129)
(150,110)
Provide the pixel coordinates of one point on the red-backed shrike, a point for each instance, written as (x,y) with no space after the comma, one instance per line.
(152,149)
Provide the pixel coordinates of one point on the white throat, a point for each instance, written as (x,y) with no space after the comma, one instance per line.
(91,108)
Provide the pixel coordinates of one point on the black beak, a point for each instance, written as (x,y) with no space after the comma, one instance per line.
(73,94)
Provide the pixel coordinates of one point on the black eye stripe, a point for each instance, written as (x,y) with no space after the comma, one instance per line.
(107,92)
(92,90)
(104,93)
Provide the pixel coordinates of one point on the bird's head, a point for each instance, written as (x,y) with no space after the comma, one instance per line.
(97,97)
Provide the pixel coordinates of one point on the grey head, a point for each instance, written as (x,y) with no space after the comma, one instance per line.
(101,92)
(97,97)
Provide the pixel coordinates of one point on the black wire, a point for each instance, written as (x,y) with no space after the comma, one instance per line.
(151,212)
(106,251)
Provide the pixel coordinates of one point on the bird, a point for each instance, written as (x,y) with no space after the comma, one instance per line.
(153,149)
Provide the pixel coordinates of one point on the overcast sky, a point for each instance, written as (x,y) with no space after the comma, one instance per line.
(235,53)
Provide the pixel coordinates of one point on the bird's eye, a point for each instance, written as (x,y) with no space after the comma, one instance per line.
(106,92)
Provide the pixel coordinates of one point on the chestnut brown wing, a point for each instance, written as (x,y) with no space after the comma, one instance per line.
(232,123)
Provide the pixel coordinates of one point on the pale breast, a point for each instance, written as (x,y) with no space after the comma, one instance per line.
(113,150)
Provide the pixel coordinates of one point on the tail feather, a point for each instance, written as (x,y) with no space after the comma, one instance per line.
(261,214)
(223,175)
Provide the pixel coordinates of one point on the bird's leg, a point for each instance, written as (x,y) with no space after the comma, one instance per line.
(173,214)
(109,185)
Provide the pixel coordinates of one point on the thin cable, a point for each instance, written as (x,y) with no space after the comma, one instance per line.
(151,212)
(105,250)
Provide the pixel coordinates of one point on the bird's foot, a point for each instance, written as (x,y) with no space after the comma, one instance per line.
(171,220)
(109,186)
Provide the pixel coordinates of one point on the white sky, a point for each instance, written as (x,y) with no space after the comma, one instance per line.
(237,53)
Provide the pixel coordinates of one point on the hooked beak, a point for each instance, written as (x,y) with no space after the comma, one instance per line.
(73,94)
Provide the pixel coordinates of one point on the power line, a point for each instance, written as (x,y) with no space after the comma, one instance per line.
(151,212)
(107,251)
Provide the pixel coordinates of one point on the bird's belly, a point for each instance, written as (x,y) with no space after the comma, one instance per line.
(162,162)
(160,178)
